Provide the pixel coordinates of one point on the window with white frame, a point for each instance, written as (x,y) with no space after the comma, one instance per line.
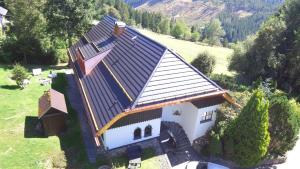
(206,116)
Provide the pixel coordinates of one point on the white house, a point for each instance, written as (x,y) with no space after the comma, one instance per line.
(130,84)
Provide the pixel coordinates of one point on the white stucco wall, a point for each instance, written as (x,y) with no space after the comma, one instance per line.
(121,136)
(189,119)
(202,128)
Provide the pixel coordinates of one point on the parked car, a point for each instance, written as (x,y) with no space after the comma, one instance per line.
(203,165)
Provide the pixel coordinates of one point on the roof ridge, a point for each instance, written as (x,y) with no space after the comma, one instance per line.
(140,34)
(149,79)
(192,67)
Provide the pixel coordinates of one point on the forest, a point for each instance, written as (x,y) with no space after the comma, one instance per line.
(239,18)
(41,33)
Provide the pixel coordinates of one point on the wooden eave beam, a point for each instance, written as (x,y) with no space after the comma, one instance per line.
(84,95)
(156,106)
(229,99)
(86,38)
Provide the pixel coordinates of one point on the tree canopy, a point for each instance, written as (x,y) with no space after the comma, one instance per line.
(213,32)
(275,51)
(284,124)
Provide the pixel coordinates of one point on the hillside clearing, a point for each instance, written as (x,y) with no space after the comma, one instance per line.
(189,50)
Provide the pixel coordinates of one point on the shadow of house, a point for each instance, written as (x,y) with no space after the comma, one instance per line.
(33,128)
(71,141)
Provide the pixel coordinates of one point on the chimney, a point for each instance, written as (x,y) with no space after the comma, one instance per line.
(119,28)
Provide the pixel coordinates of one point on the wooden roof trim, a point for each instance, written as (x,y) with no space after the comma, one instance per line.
(85,97)
(123,89)
(156,106)
(86,38)
(95,47)
(229,99)
(44,112)
(83,57)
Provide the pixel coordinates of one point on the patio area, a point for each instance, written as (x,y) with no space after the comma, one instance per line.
(176,145)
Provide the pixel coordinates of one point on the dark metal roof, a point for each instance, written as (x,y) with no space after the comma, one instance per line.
(104,95)
(51,99)
(119,80)
(133,61)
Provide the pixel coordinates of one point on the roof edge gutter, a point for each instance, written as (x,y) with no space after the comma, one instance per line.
(156,106)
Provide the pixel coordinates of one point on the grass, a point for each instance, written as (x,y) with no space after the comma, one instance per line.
(189,50)
(18,116)
(149,160)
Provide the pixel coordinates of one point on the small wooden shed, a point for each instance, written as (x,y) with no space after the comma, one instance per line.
(52,112)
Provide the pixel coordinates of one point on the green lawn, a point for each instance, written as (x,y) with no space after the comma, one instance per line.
(149,160)
(189,50)
(21,146)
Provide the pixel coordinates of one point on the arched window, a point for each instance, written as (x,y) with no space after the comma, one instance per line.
(148,131)
(137,133)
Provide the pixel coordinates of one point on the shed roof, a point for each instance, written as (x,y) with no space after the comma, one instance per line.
(51,99)
(136,72)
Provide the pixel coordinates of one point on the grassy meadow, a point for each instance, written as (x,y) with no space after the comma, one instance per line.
(189,50)
(21,146)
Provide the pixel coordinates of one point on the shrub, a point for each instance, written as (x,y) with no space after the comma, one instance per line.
(19,74)
(249,132)
(229,82)
(215,145)
(195,36)
(205,63)
(284,124)
(59,160)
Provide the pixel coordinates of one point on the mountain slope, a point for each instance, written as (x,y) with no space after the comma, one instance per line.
(190,11)
(239,18)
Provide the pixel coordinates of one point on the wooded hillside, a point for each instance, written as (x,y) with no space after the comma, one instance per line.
(239,18)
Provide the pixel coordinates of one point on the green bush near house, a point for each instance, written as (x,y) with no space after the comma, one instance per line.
(19,74)
(248,136)
(215,146)
(229,82)
(284,124)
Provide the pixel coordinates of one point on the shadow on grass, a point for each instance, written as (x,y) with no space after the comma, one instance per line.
(123,161)
(71,142)
(31,128)
(10,87)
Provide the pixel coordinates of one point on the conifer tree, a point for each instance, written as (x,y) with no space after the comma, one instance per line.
(249,133)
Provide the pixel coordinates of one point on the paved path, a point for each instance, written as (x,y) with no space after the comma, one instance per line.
(293,158)
(183,153)
(76,102)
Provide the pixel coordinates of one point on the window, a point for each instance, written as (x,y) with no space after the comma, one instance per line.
(148,131)
(137,134)
(207,116)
